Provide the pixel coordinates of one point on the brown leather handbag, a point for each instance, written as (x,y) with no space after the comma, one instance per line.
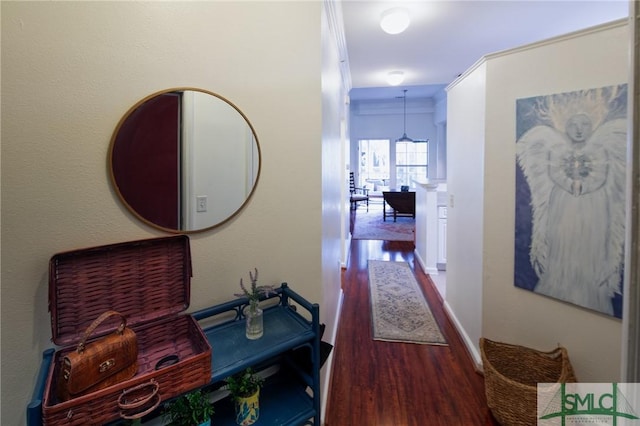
(101,363)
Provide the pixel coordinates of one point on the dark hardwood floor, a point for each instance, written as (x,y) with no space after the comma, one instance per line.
(378,383)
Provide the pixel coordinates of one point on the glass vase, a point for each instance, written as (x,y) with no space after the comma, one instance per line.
(254,322)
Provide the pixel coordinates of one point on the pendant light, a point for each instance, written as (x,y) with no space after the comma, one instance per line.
(404,137)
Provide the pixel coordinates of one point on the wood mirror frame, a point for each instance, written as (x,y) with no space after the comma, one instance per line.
(184,160)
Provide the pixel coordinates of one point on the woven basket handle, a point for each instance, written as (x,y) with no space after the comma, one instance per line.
(131,399)
(89,331)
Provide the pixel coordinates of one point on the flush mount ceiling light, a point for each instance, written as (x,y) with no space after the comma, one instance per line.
(404,137)
(395,20)
(394,78)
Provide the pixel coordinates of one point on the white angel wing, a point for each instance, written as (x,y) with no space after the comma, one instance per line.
(612,136)
(532,150)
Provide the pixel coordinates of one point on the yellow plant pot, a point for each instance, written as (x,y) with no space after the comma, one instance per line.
(248,409)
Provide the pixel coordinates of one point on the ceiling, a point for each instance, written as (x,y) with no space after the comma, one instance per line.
(447,37)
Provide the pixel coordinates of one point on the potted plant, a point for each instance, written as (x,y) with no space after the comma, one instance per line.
(190,409)
(253,313)
(245,391)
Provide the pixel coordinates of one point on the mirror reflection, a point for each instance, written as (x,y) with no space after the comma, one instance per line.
(184,160)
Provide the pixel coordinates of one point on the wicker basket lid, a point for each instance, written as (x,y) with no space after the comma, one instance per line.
(144,280)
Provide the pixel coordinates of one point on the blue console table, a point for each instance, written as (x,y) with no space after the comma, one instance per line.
(290,396)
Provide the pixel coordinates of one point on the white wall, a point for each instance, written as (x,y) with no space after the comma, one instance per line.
(70,70)
(589,59)
(218,131)
(438,146)
(465,212)
(334,199)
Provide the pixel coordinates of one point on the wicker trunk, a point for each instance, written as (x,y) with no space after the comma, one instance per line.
(148,281)
(511,376)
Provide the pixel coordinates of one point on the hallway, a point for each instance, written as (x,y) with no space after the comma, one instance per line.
(378,383)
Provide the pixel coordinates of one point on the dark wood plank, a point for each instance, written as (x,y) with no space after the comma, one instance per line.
(399,384)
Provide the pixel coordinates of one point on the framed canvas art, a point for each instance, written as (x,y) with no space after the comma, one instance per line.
(570,196)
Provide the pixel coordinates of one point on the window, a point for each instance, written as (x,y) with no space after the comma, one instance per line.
(411,162)
(374,162)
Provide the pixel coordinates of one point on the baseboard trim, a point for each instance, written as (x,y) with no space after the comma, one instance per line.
(427,270)
(471,348)
(345,251)
(327,369)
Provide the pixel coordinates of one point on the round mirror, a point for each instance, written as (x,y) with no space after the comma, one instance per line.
(184,160)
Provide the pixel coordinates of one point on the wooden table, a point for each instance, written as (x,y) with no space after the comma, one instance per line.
(402,203)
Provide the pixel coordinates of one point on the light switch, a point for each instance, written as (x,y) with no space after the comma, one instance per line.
(201,203)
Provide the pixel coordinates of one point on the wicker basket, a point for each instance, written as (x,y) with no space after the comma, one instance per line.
(148,281)
(511,375)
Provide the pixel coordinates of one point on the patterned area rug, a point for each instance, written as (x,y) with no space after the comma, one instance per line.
(370,226)
(399,311)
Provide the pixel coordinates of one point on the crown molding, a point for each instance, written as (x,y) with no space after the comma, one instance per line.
(336,27)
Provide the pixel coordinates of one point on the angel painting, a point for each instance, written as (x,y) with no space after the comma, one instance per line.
(570,196)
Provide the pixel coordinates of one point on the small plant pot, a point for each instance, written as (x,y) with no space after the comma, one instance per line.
(205,423)
(248,409)
(254,323)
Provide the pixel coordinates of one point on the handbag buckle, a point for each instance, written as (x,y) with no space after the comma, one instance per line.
(106,365)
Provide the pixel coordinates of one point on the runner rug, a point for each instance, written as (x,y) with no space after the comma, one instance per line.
(399,311)
(371,226)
